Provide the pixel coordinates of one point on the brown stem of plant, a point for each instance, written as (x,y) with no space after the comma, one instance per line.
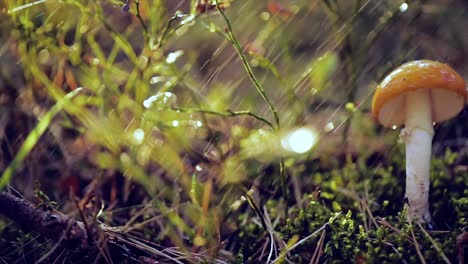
(48,223)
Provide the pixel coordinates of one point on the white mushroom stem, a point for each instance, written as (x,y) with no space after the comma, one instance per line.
(417,135)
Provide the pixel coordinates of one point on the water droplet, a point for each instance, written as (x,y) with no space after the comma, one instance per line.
(157,79)
(198,123)
(300,140)
(138,135)
(173,56)
(403,7)
(162,99)
(329,127)
(175,123)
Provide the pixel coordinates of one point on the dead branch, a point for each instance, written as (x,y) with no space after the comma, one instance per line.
(48,223)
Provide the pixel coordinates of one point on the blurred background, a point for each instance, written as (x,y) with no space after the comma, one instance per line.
(169,114)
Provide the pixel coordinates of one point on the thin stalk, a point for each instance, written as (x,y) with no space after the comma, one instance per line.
(140,19)
(33,137)
(436,246)
(258,86)
(227,113)
(245,63)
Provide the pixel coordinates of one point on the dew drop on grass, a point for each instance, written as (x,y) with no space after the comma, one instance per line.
(161,99)
(329,127)
(173,56)
(196,123)
(138,136)
(157,79)
(403,7)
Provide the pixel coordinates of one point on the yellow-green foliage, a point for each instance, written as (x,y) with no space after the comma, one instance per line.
(184,118)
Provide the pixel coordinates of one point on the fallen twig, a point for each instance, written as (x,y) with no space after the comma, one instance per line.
(48,223)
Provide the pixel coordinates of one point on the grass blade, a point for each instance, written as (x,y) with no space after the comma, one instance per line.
(34,136)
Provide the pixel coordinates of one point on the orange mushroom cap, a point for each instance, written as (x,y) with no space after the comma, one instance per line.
(446,86)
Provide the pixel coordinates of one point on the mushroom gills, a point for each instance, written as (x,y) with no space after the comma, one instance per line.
(444,105)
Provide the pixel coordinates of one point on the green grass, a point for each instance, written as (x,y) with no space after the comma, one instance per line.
(198,172)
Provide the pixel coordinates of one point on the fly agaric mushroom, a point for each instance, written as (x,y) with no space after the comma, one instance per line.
(417,94)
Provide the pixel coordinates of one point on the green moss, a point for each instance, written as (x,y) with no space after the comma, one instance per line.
(358,236)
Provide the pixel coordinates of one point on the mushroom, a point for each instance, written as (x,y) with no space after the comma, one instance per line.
(418,94)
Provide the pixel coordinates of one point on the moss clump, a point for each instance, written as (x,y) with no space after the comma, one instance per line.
(371,226)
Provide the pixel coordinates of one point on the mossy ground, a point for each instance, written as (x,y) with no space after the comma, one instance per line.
(172,142)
